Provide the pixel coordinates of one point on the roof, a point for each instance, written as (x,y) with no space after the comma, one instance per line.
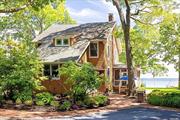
(83,33)
(60,54)
(120,65)
(53,29)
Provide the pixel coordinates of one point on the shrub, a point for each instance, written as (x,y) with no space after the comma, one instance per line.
(18,101)
(40,103)
(65,106)
(164,98)
(83,79)
(19,68)
(54,103)
(90,102)
(45,97)
(80,103)
(28,102)
(95,101)
(23,96)
(101,100)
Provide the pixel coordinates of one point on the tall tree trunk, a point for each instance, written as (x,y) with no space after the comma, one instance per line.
(179,73)
(129,57)
(126,30)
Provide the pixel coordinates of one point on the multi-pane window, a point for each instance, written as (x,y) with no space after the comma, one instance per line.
(62,42)
(51,70)
(93,49)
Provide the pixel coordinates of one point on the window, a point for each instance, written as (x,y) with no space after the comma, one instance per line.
(51,70)
(65,42)
(54,71)
(58,42)
(93,49)
(61,42)
(46,70)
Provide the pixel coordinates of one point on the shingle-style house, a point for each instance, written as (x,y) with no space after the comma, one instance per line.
(91,42)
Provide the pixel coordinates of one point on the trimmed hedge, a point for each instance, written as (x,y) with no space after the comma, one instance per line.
(167,98)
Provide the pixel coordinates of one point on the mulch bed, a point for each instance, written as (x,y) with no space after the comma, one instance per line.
(116,102)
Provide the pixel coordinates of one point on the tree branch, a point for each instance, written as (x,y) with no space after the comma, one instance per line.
(11,10)
(135,19)
(136,2)
(128,14)
(142,10)
(120,12)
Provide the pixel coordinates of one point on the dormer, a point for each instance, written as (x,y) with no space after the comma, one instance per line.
(61,42)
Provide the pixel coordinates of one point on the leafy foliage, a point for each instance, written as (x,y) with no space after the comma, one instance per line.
(83,79)
(169,43)
(19,68)
(10,6)
(65,106)
(95,101)
(45,97)
(28,102)
(165,98)
(40,103)
(54,103)
(29,23)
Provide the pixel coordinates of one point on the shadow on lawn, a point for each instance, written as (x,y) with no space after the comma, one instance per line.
(138,113)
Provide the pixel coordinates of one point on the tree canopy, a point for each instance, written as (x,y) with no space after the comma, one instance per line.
(28,23)
(11,6)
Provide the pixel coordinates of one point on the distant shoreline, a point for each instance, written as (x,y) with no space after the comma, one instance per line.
(160,82)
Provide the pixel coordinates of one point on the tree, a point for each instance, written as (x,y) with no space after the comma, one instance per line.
(144,50)
(134,10)
(11,6)
(29,23)
(19,69)
(169,43)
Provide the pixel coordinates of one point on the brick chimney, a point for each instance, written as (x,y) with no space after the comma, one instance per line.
(110,17)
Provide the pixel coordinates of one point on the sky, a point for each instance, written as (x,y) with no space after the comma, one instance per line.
(87,11)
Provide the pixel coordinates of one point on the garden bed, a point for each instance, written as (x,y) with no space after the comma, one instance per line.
(46,102)
(116,102)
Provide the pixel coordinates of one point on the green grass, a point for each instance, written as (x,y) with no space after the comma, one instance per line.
(165,89)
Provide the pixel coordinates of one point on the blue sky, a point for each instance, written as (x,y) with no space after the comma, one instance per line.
(86,11)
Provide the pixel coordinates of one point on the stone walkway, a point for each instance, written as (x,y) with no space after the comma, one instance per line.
(118,103)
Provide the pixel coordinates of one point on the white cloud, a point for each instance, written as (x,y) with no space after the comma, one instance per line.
(110,8)
(86,12)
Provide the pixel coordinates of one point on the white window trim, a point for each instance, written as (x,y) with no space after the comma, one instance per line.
(62,42)
(97,50)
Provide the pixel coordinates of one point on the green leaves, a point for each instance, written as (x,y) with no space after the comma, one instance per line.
(82,79)
(19,68)
(28,23)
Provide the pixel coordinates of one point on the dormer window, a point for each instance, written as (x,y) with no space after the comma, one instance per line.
(61,42)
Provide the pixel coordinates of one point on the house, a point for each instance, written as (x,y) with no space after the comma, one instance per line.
(90,42)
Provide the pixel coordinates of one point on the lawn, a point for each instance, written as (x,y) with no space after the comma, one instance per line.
(165,89)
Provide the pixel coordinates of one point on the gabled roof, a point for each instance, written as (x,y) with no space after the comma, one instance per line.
(83,34)
(60,54)
(53,29)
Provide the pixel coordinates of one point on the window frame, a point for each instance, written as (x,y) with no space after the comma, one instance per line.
(90,56)
(62,42)
(50,75)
